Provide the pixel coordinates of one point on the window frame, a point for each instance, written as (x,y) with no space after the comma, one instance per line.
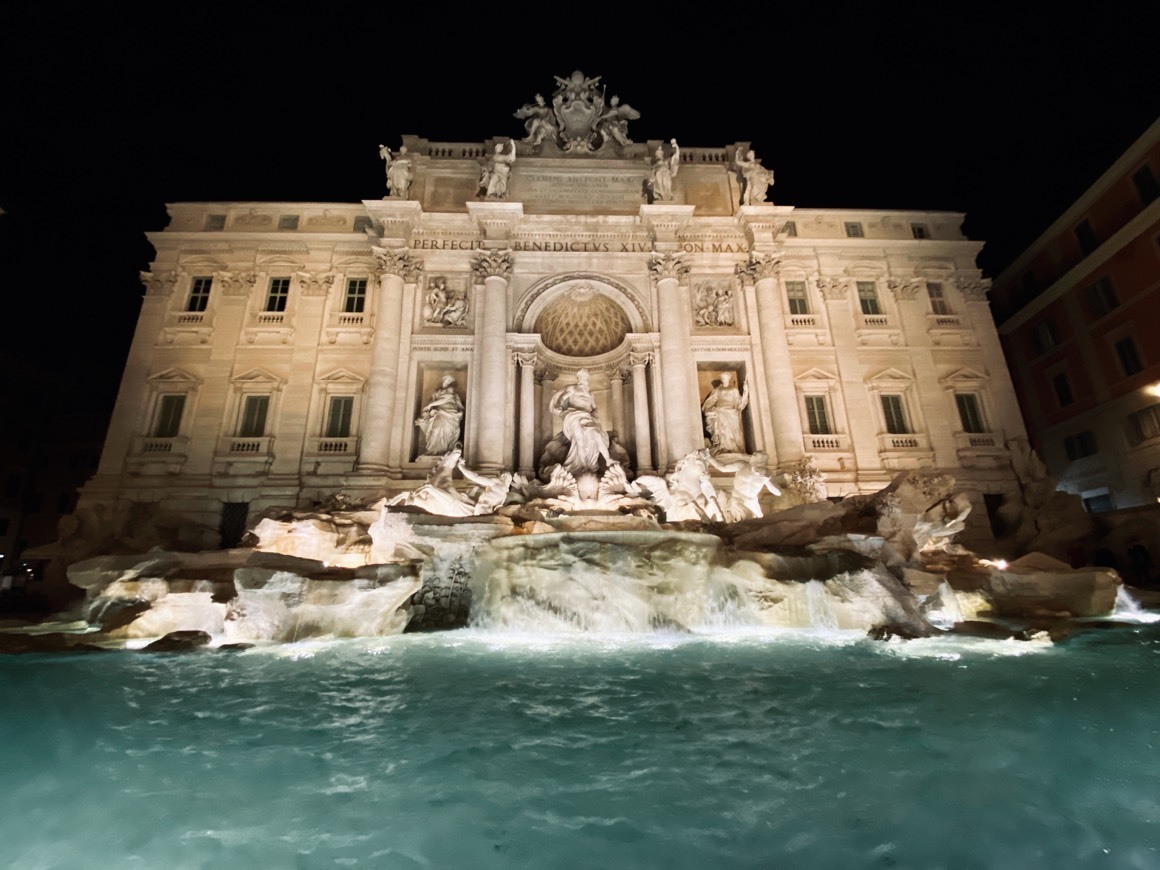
(355,302)
(897,416)
(818,424)
(874,298)
(971,415)
(197,301)
(854,230)
(938,300)
(277,295)
(797,297)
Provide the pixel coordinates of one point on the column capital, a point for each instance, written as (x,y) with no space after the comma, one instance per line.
(493,264)
(833,289)
(973,289)
(664,266)
(158,283)
(905,289)
(399,262)
(525,359)
(315,283)
(640,358)
(236,283)
(759,267)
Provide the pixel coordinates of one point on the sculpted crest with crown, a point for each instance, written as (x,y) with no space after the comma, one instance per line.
(578,121)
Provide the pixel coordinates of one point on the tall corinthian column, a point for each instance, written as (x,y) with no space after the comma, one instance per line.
(527,459)
(644,460)
(678,387)
(760,273)
(395,268)
(493,269)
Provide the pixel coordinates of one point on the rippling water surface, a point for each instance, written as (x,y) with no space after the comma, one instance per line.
(476,750)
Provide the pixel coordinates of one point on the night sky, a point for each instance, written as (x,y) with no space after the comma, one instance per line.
(1006,118)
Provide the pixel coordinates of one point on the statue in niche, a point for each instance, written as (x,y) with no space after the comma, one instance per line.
(755,177)
(750,477)
(540,123)
(662,172)
(722,409)
(587,440)
(441,419)
(443,305)
(613,124)
(498,170)
(399,174)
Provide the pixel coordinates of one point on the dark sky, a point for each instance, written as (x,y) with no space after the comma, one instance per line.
(1007,117)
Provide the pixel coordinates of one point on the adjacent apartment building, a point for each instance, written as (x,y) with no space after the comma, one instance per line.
(1079,316)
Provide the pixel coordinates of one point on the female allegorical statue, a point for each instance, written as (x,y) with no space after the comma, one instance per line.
(722,411)
(441,419)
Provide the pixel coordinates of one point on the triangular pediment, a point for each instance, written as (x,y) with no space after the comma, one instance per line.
(341,376)
(965,375)
(816,375)
(173,376)
(258,376)
(890,375)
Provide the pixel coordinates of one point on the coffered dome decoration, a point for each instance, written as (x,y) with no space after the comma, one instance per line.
(582,322)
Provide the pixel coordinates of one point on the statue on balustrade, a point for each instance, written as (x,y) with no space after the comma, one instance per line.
(498,171)
(399,174)
(662,172)
(722,409)
(441,419)
(755,177)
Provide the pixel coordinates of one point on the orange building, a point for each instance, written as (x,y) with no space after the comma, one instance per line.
(1079,318)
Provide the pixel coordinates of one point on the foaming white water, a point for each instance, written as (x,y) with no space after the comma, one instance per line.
(943,610)
(1128,609)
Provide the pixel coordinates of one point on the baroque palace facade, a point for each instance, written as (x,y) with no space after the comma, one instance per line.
(286,352)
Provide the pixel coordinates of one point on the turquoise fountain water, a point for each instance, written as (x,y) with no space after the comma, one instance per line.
(740,747)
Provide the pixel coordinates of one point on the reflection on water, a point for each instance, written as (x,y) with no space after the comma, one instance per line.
(749,748)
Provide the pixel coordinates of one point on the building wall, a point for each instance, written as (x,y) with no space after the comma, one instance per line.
(1090,319)
(829,344)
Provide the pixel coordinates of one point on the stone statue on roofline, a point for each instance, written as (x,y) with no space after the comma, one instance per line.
(756,179)
(399,173)
(577,120)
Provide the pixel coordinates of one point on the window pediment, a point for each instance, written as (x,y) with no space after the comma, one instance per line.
(173,376)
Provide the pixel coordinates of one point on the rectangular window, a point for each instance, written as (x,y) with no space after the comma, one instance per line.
(338,416)
(795,292)
(1144,424)
(1102,297)
(199,294)
(1128,355)
(214,222)
(1080,444)
(1044,336)
(1062,387)
(1086,236)
(254,410)
(288,222)
(1146,184)
(279,293)
(853,230)
(938,300)
(789,228)
(816,413)
(169,411)
(868,297)
(969,413)
(356,296)
(919,231)
(895,418)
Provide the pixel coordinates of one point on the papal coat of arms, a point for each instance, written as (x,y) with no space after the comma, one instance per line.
(578,119)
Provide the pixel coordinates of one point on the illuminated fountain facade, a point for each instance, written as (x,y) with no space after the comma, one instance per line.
(572,340)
